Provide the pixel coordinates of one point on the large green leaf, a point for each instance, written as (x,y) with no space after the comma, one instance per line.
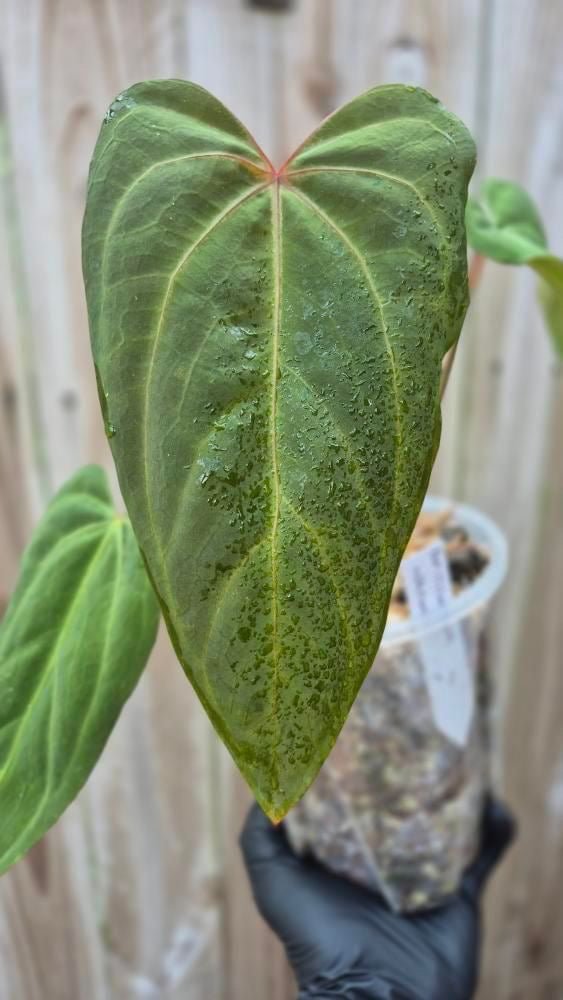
(74,640)
(505,225)
(268,347)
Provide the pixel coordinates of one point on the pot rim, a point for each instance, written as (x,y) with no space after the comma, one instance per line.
(485,532)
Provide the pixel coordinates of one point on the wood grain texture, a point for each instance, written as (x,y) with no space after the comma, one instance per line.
(139,892)
(511,465)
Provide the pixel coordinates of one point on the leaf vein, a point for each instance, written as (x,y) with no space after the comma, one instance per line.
(235,570)
(341,434)
(309,530)
(38,579)
(379,305)
(231,207)
(316,146)
(108,627)
(276,241)
(94,559)
(200,446)
(376,173)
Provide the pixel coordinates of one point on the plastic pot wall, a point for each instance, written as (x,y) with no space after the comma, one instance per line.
(397,805)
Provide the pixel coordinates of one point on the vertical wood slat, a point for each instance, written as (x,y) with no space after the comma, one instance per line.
(511,465)
(139,890)
(22,468)
(121,898)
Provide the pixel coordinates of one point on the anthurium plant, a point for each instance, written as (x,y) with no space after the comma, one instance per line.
(505,225)
(268,346)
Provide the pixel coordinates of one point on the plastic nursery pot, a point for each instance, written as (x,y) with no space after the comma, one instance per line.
(397,805)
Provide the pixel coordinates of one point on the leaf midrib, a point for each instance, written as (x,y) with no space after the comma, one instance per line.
(277,275)
(274,182)
(101,671)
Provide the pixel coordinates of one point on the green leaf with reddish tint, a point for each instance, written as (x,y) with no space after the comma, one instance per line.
(268,347)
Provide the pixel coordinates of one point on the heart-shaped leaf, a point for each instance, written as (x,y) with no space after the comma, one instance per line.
(73,643)
(268,346)
(505,225)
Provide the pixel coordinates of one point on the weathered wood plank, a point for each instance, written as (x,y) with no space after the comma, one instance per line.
(121,898)
(139,891)
(510,464)
(242,56)
(23,470)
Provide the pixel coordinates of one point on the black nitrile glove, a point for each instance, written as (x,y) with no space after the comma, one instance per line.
(343,941)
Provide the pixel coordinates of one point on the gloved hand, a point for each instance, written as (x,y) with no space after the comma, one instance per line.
(343,941)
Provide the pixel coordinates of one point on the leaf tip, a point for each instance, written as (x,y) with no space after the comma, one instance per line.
(275,813)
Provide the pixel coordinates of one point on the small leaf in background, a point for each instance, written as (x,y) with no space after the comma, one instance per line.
(505,225)
(75,638)
(269,347)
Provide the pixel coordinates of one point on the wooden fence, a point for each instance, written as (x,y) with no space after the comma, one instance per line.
(138,892)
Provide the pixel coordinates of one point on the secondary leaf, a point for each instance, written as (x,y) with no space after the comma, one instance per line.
(505,225)
(73,643)
(551,298)
(268,346)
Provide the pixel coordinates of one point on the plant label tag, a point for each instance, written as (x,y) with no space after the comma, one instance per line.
(443,651)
